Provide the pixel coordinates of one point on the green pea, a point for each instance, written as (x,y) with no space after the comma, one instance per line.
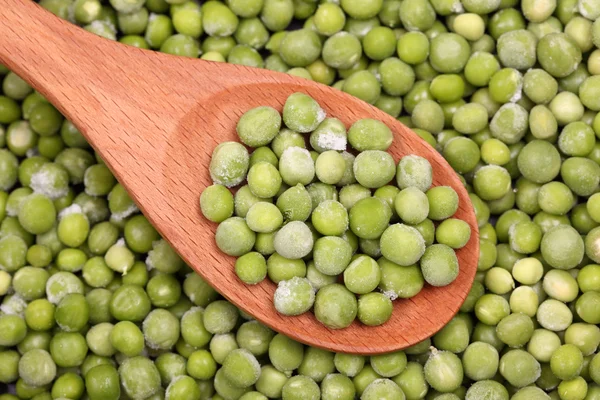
(443,371)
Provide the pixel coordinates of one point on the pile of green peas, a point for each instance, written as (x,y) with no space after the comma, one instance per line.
(287,185)
(94,305)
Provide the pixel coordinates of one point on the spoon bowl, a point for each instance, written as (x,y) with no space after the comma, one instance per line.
(155,120)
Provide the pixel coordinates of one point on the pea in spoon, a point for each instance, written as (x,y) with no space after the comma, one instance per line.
(156,118)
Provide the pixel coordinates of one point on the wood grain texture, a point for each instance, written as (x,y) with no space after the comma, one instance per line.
(156,118)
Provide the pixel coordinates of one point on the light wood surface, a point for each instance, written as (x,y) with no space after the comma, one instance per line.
(156,118)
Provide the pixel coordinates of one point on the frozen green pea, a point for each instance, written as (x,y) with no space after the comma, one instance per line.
(374,168)
(506,85)
(300,387)
(588,93)
(37,368)
(362,275)
(369,218)
(330,218)
(382,388)
(480,361)
(251,268)
(517,49)
(417,15)
(330,167)
(402,282)
(302,113)
(470,118)
(335,306)
(374,309)
(342,50)
(264,217)
(51,179)
(296,166)
(446,61)
(443,90)
(480,68)
(252,32)
(439,265)
(519,368)
(411,205)
(263,153)
(259,126)
(528,271)
(349,195)
(294,296)
(509,123)
(554,315)
(102,382)
(491,308)
(285,353)
(119,258)
(360,10)
(542,344)
(443,202)
(98,339)
(562,247)
(229,164)
(587,278)
(318,279)
(364,85)
(329,135)
(369,134)
(539,161)
(491,182)
(558,54)
(349,364)
(486,389)
(411,251)
(218,19)
(234,237)
(61,284)
(555,198)
(271,381)
(592,245)
(243,200)
(566,362)
(443,371)
(581,175)
(567,108)
(543,124)
(539,86)
(161,329)
(139,377)
(295,203)
(462,153)
(329,19)
(453,232)
(428,115)
(264,180)
(331,255)
(37,213)
(397,77)
(576,139)
(300,48)
(216,203)
(584,336)
(294,240)
(414,171)
(241,368)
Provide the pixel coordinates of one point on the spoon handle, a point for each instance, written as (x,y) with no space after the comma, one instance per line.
(114,94)
(98,82)
(52,55)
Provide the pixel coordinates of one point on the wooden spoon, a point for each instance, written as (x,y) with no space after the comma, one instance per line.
(155,120)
